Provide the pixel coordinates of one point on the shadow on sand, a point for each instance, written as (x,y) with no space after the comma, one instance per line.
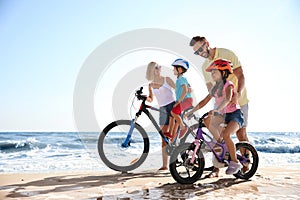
(57,184)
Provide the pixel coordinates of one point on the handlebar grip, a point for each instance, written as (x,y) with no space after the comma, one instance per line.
(140,91)
(203,116)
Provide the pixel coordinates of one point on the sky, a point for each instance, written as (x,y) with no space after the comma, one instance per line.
(44,44)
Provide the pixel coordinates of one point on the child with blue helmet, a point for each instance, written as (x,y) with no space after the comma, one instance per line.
(183,96)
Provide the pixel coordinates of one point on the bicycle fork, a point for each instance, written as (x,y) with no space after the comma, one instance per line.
(197,145)
(126,143)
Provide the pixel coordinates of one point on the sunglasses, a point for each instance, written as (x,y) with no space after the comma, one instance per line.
(157,67)
(200,49)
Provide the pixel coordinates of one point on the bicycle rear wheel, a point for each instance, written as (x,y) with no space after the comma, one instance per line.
(246,150)
(120,158)
(181,168)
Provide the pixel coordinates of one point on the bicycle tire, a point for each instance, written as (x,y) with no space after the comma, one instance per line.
(180,158)
(114,155)
(254,159)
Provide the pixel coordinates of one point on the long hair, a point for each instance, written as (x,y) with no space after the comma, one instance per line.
(150,71)
(218,87)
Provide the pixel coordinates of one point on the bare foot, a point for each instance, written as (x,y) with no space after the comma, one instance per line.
(163,168)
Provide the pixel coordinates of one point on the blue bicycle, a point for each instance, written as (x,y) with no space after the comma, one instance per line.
(123,145)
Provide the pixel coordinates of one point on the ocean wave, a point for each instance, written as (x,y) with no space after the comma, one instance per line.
(276,142)
(17,146)
(78,151)
(278,149)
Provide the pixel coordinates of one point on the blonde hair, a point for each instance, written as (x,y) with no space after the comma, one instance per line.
(150,71)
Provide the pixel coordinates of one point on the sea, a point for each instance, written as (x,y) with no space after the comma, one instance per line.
(22,152)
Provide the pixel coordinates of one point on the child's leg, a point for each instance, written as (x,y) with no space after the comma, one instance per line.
(175,112)
(187,103)
(175,122)
(178,121)
(171,126)
(232,127)
(175,129)
(213,125)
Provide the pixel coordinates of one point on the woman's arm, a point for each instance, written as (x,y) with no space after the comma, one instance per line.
(150,97)
(170,82)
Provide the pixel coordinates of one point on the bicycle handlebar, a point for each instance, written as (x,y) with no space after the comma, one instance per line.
(139,95)
(203,116)
(140,91)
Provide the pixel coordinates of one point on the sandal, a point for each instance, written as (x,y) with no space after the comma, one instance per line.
(213,174)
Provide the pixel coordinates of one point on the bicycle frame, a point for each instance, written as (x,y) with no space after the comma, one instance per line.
(143,109)
(200,139)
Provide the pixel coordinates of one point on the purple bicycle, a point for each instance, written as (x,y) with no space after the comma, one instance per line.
(187,161)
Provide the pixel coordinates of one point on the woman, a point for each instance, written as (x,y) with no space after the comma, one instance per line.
(162,88)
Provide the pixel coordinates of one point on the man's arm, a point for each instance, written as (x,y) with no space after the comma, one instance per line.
(238,72)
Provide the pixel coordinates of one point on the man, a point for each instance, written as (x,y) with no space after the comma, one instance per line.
(201,47)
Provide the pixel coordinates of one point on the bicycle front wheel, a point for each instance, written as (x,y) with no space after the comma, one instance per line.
(114,154)
(182,169)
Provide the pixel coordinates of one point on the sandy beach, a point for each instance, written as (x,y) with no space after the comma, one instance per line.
(282,182)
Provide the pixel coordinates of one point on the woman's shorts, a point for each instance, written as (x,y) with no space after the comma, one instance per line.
(236,116)
(165,113)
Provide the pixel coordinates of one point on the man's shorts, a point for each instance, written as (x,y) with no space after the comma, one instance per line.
(245,109)
(187,103)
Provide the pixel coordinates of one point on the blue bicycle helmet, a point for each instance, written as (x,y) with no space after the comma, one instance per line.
(182,63)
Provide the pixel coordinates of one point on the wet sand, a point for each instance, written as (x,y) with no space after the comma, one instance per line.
(281,182)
